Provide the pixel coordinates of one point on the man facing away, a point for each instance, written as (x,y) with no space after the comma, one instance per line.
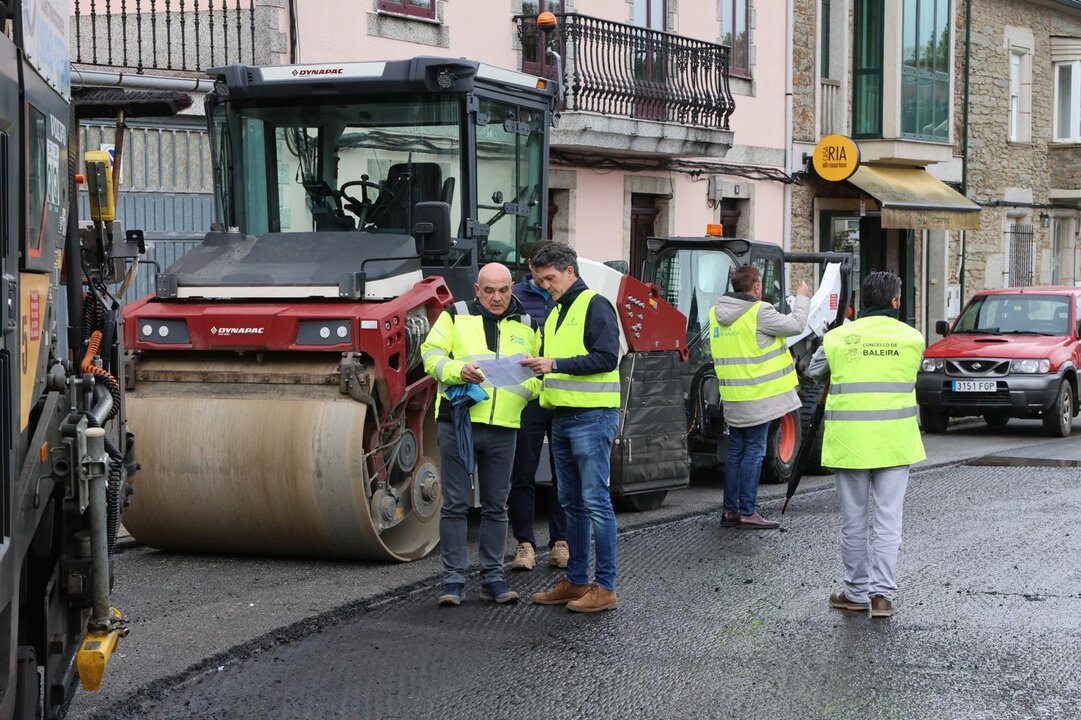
(757,383)
(536,423)
(581,386)
(491,326)
(871,437)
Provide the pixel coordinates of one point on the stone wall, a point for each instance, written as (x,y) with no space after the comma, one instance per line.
(1066,167)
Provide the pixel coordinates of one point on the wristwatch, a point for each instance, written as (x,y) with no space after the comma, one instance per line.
(553,366)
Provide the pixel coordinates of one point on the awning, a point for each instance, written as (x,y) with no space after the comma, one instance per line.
(914,199)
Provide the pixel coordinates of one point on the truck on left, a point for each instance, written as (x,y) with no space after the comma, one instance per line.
(65,456)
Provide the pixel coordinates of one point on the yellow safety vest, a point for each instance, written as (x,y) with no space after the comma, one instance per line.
(600,390)
(744,370)
(871,406)
(458,339)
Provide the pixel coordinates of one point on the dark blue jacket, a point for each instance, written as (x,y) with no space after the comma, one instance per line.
(601,335)
(536,302)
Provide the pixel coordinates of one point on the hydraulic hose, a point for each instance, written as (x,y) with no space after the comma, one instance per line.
(88,366)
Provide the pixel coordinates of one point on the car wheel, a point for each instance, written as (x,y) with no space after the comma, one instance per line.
(933,422)
(996,420)
(1058,419)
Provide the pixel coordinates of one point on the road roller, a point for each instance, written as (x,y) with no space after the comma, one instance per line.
(274,377)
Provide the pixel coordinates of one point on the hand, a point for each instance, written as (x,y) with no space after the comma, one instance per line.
(471,374)
(539,365)
(803,290)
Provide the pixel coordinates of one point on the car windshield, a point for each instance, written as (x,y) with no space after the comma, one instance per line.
(1016,315)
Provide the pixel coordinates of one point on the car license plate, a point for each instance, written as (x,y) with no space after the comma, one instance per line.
(974,386)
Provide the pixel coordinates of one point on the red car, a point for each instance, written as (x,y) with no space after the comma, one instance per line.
(1011,353)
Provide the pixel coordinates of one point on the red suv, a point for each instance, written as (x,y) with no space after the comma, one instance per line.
(1011,353)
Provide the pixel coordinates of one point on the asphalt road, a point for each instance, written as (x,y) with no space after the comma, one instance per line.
(698,604)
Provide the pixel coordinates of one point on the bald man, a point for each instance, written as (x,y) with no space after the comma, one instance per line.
(493,325)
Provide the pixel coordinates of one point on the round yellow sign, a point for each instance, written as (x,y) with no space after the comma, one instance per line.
(835,158)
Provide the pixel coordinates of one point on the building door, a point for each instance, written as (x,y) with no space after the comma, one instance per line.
(643,220)
(883,249)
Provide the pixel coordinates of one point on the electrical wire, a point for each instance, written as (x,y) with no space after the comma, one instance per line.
(693,168)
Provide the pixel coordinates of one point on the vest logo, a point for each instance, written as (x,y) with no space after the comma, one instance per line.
(716,332)
(224,331)
(852,339)
(517,340)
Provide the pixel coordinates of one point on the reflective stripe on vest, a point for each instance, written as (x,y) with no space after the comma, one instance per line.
(600,390)
(514,335)
(746,371)
(871,406)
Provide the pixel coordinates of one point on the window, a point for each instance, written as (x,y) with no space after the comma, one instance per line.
(650,14)
(734,34)
(867,70)
(925,72)
(1068,101)
(1020,256)
(36,185)
(824,21)
(1015,95)
(1016,314)
(4,208)
(417,8)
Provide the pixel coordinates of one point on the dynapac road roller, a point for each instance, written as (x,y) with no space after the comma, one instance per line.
(275,377)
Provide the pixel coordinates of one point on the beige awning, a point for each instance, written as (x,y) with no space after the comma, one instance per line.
(913,199)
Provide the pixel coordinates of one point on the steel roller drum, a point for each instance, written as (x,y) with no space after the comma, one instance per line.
(268,468)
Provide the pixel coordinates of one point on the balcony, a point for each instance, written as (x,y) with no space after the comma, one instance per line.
(634,91)
(187,36)
(830,113)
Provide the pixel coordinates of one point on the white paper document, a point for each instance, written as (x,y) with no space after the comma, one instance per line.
(505,371)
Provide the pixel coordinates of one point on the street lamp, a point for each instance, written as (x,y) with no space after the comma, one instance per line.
(1045,220)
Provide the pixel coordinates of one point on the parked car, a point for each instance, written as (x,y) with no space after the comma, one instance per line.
(1011,353)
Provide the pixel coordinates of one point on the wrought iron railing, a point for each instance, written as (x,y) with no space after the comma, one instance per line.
(179,35)
(617,69)
(829,117)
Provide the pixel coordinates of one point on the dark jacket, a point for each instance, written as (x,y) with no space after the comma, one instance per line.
(601,335)
(536,302)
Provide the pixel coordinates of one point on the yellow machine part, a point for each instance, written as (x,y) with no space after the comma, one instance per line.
(268,459)
(94,655)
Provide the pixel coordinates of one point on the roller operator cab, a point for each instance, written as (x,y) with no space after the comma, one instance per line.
(276,372)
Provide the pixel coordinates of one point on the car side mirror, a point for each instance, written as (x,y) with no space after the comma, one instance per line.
(431,227)
(942,328)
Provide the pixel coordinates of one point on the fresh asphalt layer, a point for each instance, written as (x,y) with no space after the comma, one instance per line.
(713,622)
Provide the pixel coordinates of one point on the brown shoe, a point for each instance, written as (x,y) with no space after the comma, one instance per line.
(757,522)
(840,600)
(729,518)
(881,607)
(595,600)
(563,592)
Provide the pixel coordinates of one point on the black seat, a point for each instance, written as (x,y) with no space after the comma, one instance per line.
(394,206)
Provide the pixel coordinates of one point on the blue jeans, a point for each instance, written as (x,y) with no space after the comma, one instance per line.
(493,448)
(582,446)
(743,468)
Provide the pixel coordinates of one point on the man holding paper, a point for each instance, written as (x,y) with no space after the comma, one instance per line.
(468,335)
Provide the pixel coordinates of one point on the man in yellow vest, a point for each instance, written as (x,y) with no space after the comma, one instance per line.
(871,437)
(491,326)
(757,383)
(581,384)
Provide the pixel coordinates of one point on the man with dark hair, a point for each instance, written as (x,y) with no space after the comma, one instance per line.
(536,423)
(581,386)
(757,383)
(871,437)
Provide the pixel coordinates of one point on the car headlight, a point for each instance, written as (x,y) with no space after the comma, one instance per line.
(1029,365)
(932,365)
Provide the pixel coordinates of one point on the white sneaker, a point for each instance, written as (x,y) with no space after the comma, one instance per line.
(525,558)
(559,554)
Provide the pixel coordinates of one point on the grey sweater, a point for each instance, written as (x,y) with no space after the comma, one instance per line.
(771,325)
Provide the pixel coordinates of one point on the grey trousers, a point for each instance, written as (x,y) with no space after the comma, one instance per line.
(870,570)
(493,448)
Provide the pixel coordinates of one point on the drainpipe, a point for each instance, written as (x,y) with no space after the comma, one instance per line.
(789,57)
(97,78)
(964,139)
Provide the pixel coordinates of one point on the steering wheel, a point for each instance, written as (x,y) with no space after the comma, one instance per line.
(362,207)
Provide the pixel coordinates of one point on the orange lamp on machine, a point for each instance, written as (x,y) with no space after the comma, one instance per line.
(546,21)
(715,230)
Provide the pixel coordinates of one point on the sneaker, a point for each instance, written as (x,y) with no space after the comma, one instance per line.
(563,592)
(757,522)
(525,558)
(840,601)
(452,595)
(498,591)
(729,518)
(595,600)
(559,554)
(881,607)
